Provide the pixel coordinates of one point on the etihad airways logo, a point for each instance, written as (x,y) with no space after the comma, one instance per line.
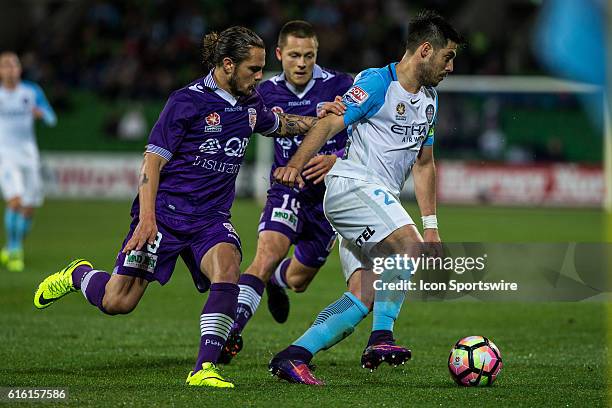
(416,129)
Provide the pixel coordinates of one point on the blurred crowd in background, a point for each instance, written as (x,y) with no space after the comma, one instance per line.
(145,49)
(139,51)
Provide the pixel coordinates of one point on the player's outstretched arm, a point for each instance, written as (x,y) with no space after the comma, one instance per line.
(316,137)
(42,109)
(291,125)
(146,230)
(424,174)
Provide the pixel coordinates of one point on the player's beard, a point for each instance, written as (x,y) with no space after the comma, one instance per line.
(426,75)
(233,84)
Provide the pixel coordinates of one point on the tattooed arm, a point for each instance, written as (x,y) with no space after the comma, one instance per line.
(324,129)
(146,230)
(291,125)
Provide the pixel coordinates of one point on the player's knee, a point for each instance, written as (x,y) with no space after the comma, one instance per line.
(27,212)
(14,203)
(229,275)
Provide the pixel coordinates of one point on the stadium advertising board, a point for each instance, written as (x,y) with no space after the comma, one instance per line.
(99,176)
(546,185)
(90,175)
(115,176)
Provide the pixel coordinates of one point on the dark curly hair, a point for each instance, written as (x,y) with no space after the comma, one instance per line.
(234,43)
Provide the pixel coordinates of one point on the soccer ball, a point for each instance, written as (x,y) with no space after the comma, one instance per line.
(474,361)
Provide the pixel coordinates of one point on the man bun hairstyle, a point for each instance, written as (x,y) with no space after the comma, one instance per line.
(429,26)
(234,43)
(296,28)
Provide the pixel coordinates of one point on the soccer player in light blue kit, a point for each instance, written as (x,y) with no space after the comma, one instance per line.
(21,103)
(391,113)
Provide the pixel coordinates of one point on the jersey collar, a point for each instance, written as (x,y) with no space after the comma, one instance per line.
(317,73)
(7,89)
(391,67)
(210,83)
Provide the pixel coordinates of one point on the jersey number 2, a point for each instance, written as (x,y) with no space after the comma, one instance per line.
(383,192)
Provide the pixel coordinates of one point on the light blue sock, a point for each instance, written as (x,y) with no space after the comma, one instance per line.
(385,312)
(333,324)
(10,226)
(388,303)
(22,226)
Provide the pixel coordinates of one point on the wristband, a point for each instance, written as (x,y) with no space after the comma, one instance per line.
(430,222)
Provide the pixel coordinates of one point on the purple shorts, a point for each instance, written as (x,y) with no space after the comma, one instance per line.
(176,238)
(302,221)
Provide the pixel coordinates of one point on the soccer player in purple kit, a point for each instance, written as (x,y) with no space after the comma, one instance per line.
(291,216)
(187,186)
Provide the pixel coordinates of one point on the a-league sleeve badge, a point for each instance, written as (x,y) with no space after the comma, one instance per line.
(429,112)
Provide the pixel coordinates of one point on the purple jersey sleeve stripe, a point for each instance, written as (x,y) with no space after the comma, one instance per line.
(273,128)
(160,151)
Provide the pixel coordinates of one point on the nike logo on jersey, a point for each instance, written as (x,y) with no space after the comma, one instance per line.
(414,102)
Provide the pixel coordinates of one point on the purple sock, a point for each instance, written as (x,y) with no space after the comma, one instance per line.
(380,336)
(295,353)
(279,277)
(93,286)
(78,274)
(216,321)
(251,289)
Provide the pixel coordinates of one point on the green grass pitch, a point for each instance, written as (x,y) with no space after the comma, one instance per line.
(555,354)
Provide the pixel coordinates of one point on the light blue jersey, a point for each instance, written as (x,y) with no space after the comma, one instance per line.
(387,128)
(17,120)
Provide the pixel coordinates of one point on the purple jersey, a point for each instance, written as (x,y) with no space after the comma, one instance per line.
(203,132)
(281,96)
